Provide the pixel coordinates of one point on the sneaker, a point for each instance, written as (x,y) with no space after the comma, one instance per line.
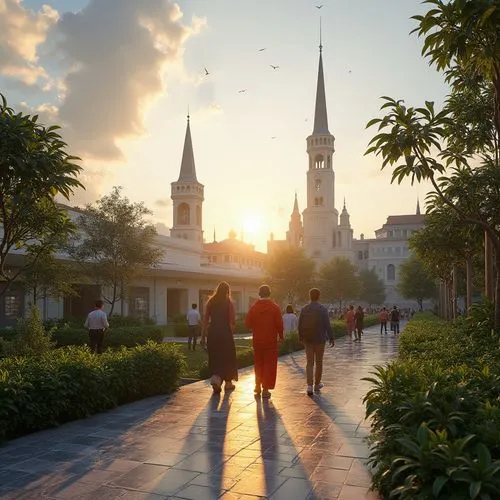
(310,390)
(266,394)
(257,390)
(318,387)
(229,386)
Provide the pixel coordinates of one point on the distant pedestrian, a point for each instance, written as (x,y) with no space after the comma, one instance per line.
(359,323)
(218,335)
(266,324)
(194,322)
(384,316)
(314,331)
(394,317)
(97,324)
(290,320)
(349,321)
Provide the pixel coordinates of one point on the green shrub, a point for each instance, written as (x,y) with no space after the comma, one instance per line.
(436,414)
(70,383)
(115,337)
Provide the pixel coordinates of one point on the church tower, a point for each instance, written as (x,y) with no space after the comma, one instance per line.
(320,215)
(295,231)
(187,197)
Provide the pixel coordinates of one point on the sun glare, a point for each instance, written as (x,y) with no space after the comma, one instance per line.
(252,224)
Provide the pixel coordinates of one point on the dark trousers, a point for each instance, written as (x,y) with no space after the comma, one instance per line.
(314,362)
(96,339)
(193,334)
(383,324)
(395,326)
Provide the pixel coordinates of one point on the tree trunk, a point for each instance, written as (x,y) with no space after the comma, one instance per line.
(454,293)
(497,292)
(488,268)
(469,270)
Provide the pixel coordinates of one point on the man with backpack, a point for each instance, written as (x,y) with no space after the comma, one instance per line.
(314,330)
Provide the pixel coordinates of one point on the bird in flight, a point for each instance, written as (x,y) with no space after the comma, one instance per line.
(273,137)
(206,72)
(274,67)
(319,6)
(261,50)
(241,91)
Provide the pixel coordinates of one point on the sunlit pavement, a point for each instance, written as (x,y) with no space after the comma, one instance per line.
(193,445)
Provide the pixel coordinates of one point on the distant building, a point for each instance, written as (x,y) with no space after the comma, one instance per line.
(324,234)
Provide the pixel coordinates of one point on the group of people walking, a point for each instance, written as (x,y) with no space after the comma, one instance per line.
(393,317)
(268,327)
(355,322)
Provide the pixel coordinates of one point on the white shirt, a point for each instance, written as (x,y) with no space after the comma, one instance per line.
(290,322)
(193,317)
(97,320)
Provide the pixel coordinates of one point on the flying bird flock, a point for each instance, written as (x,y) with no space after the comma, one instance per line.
(273,66)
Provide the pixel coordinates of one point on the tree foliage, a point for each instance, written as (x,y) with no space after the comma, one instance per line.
(372,287)
(339,280)
(415,282)
(115,243)
(290,274)
(34,168)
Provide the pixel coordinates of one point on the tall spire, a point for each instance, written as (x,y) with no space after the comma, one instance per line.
(295,203)
(320,114)
(418,206)
(188,169)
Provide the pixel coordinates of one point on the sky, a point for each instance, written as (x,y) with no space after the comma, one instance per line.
(120,76)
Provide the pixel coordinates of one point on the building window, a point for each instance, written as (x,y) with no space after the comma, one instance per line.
(319,162)
(317,184)
(198,215)
(391,272)
(12,306)
(366,254)
(139,302)
(227,258)
(183,214)
(360,255)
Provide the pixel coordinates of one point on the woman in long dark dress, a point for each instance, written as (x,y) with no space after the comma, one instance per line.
(218,330)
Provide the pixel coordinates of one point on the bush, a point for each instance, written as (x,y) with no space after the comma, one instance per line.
(436,414)
(70,383)
(115,337)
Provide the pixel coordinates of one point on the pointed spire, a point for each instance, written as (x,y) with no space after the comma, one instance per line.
(215,239)
(320,114)
(296,204)
(188,169)
(418,206)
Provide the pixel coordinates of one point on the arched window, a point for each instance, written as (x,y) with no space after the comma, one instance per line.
(198,215)
(183,214)
(319,162)
(391,272)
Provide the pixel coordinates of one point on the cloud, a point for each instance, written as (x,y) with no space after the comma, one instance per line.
(116,52)
(22,31)
(163,202)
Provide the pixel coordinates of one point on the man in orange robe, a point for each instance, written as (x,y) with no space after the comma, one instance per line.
(265,321)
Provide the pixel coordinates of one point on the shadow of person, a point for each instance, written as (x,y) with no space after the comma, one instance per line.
(267,422)
(217,419)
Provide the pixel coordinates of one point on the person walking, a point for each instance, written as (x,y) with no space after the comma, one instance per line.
(218,335)
(359,323)
(290,320)
(314,330)
(349,320)
(395,320)
(194,320)
(266,324)
(384,316)
(97,324)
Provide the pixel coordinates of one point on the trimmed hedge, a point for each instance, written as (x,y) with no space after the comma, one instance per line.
(436,414)
(71,383)
(130,336)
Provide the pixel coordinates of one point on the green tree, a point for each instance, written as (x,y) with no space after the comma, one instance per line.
(372,287)
(339,281)
(415,282)
(34,168)
(290,274)
(115,243)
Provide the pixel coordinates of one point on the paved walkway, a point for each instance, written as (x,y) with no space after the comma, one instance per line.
(195,446)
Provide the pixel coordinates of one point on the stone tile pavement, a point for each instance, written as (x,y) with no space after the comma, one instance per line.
(192,445)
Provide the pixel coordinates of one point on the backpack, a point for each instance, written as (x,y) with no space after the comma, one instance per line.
(310,324)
